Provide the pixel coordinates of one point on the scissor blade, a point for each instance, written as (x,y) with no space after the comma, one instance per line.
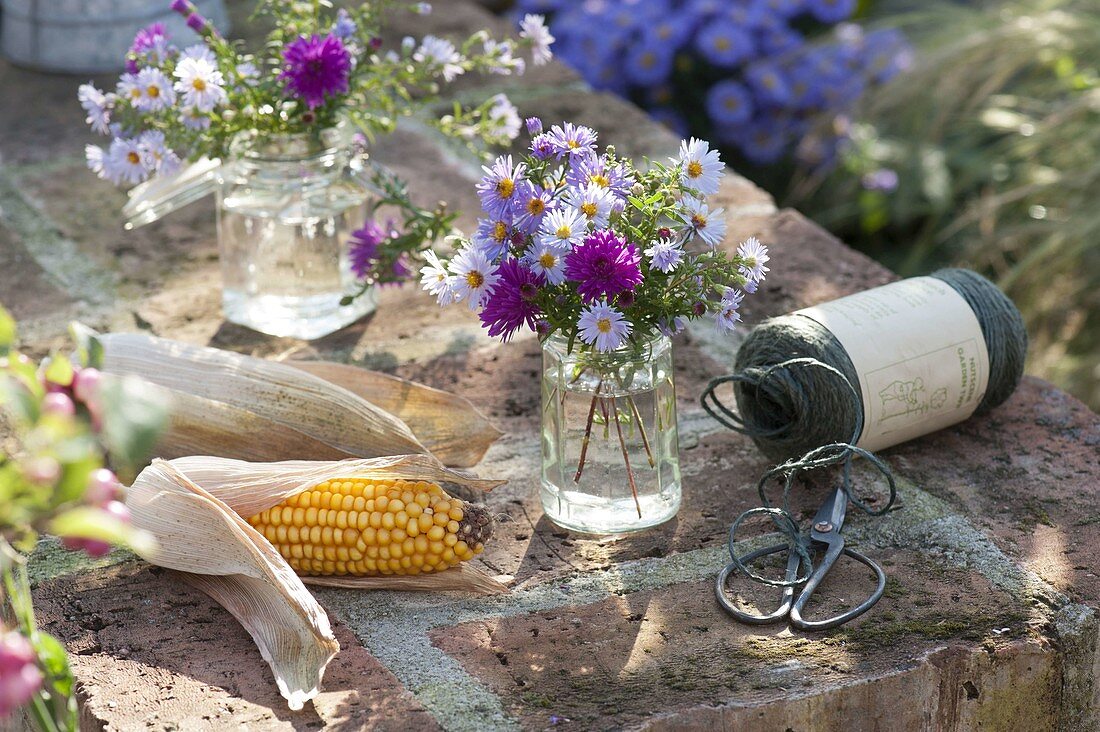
(832,512)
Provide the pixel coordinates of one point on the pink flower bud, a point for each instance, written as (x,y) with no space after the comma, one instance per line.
(118,510)
(93,547)
(58,402)
(86,384)
(19,675)
(103,487)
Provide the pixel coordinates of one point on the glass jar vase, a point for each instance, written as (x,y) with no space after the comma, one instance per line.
(286,208)
(610,448)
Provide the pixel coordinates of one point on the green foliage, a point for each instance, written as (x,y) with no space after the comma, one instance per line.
(994,136)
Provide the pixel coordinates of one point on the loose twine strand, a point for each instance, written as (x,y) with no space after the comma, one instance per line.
(820,457)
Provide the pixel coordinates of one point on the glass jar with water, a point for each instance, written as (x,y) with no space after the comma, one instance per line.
(286,208)
(610,447)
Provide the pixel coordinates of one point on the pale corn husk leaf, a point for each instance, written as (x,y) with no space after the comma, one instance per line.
(201,536)
(450,426)
(274,391)
(199,426)
(196,507)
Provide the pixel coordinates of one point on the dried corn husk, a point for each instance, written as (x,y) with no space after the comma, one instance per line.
(194,507)
(232,405)
(429,413)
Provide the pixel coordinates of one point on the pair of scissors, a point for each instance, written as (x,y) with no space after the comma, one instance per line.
(824,533)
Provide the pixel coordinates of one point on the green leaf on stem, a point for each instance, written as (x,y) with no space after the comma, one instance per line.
(134,413)
(7,331)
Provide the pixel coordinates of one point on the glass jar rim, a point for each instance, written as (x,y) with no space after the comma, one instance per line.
(648,347)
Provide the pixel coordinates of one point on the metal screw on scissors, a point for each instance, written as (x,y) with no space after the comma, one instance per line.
(825,531)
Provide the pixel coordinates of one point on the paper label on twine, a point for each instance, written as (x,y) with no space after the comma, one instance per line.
(918,351)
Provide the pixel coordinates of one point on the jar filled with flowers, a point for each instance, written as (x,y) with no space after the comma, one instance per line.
(605,262)
(280,136)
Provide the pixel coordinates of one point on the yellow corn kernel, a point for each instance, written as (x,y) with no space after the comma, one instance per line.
(367,527)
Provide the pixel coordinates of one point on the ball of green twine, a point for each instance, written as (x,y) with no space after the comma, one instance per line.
(794,409)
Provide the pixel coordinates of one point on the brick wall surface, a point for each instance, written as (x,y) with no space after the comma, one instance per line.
(988,622)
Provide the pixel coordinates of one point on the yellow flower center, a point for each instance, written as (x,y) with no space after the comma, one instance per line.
(133,157)
(153,91)
(604,325)
(600,180)
(573,144)
(564,232)
(198,85)
(695,169)
(506,187)
(475,279)
(500,231)
(135,93)
(648,60)
(536,206)
(588,209)
(699,221)
(548,260)
(723,44)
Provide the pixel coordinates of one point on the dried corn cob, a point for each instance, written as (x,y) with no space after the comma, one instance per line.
(359,526)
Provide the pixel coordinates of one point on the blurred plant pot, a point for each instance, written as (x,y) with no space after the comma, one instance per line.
(88,36)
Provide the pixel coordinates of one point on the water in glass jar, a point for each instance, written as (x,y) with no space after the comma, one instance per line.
(610,454)
(284,260)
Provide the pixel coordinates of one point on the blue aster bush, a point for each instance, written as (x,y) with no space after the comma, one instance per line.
(766,78)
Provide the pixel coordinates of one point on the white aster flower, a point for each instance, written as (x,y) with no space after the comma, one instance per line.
(98,106)
(441,53)
(155,89)
(710,226)
(603,326)
(547,260)
(503,117)
(155,155)
(199,51)
(128,88)
(562,227)
(665,254)
(248,73)
(200,83)
(756,256)
(594,202)
(475,277)
(533,28)
(435,279)
(121,163)
(504,62)
(702,168)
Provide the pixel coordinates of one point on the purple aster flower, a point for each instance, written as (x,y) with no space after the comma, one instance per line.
(493,237)
(151,41)
(764,142)
(672,31)
(603,265)
(196,22)
(497,188)
(729,103)
(768,83)
(831,11)
(183,7)
(784,8)
(511,304)
(534,125)
(316,67)
(530,206)
(573,140)
(363,247)
(648,63)
(603,326)
(724,43)
(344,26)
(596,170)
(542,147)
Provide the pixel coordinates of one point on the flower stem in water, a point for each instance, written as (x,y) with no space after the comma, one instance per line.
(626,458)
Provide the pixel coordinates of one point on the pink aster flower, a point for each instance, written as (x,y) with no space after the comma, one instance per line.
(511,304)
(603,265)
(316,67)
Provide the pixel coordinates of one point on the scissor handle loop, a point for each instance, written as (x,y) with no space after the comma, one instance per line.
(725,603)
(785,523)
(799,605)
